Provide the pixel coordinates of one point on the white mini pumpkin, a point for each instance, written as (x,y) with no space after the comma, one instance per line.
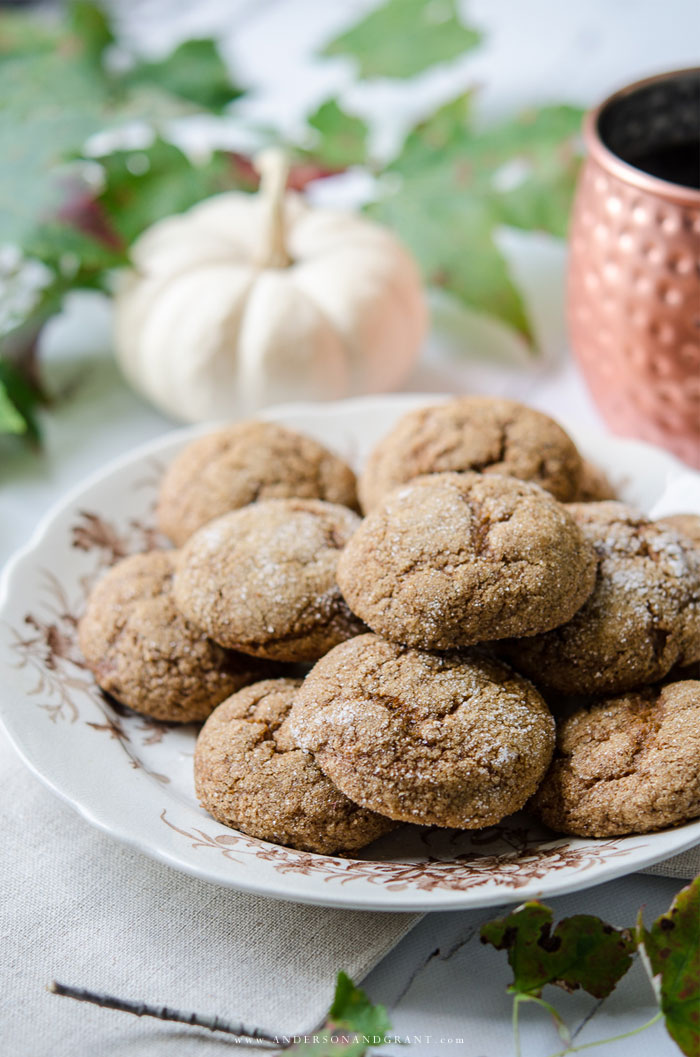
(247,300)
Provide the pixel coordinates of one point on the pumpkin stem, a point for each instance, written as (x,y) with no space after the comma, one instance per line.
(273,166)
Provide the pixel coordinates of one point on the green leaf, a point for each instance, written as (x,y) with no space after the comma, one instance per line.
(48,107)
(142,186)
(22,34)
(54,94)
(582,951)
(403,37)
(342,137)
(91,27)
(441,134)
(538,145)
(451,231)
(352,1008)
(18,401)
(194,71)
(672,946)
(354,1025)
(73,253)
(10,419)
(455,187)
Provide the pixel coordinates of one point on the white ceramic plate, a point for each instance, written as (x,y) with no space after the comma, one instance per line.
(131,776)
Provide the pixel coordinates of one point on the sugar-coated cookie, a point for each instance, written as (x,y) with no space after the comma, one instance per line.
(241,464)
(446,740)
(263,579)
(642,618)
(482,433)
(143,652)
(450,560)
(629,764)
(251,775)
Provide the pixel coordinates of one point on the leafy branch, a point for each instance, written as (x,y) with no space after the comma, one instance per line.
(581,951)
(352,1025)
(584,952)
(450,189)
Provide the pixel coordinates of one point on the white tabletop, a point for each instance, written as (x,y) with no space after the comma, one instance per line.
(439,983)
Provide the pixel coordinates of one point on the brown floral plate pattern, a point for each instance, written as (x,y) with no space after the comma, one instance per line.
(132,777)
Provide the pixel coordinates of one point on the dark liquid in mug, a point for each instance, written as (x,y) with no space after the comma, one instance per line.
(679,163)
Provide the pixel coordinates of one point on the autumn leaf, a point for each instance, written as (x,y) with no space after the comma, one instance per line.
(452,188)
(404,37)
(353,1025)
(143,186)
(581,952)
(342,138)
(49,105)
(672,947)
(90,25)
(194,71)
(18,403)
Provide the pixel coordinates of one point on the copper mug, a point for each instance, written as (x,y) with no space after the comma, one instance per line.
(634,265)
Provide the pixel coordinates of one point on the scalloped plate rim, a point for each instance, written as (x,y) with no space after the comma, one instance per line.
(375,898)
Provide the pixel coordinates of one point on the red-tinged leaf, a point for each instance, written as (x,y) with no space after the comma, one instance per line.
(582,951)
(672,947)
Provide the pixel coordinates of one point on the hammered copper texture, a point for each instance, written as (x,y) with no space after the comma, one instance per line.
(634,308)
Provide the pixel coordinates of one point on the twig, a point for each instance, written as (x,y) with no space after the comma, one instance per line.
(142,1009)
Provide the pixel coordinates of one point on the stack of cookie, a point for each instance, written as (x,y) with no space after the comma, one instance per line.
(493,580)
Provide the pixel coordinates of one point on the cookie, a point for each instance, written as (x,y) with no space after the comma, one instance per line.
(251,775)
(241,464)
(451,559)
(144,653)
(594,486)
(629,764)
(262,579)
(445,740)
(642,618)
(687,524)
(473,433)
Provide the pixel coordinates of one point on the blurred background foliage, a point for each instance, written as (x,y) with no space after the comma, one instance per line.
(74,194)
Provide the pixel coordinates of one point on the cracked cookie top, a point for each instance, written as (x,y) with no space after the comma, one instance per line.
(143,652)
(251,774)
(451,560)
(479,433)
(262,579)
(629,764)
(442,739)
(241,464)
(642,618)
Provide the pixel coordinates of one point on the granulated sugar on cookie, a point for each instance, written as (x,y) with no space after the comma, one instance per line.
(629,764)
(451,560)
(642,618)
(482,433)
(242,464)
(447,740)
(251,774)
(264,578)
(144,653)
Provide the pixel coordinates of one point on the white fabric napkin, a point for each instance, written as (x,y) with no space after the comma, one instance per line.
(80,908)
